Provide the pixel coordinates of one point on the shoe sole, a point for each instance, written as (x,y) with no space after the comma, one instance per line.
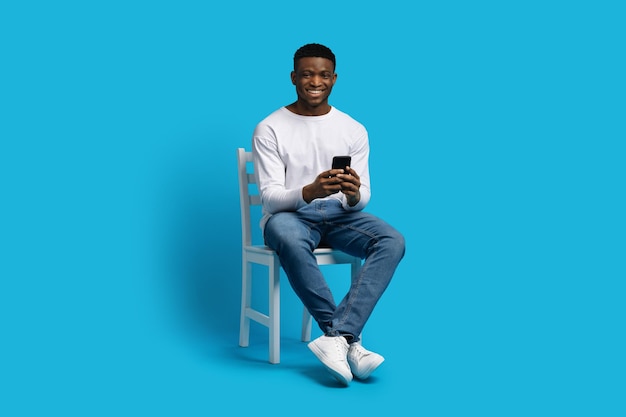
(343,379)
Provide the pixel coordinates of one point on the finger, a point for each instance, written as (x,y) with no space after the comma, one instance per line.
(351,179)
(333,189)
(353,173)
(333,179)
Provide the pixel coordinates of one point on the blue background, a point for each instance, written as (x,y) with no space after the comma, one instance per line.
(497,136)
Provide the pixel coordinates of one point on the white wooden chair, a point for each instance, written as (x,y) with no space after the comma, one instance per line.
(260,254)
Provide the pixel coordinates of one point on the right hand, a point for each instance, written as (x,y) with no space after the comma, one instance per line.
(325,184)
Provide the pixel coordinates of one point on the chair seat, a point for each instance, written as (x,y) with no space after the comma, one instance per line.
(325,256)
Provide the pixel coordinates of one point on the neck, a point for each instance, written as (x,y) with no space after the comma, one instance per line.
(303,110)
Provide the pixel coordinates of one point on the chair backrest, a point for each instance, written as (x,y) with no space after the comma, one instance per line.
(247,196)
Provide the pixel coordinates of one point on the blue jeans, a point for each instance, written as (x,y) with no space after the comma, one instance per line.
(294,236)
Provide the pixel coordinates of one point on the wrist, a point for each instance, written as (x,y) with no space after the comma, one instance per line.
(306,194)
(354,199)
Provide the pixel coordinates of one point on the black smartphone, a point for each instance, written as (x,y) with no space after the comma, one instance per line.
(341,162)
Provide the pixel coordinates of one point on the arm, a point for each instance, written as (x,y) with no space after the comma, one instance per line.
(270,173)
(356,185)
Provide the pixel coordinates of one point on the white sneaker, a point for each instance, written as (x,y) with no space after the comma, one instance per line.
(363,362)
(333,353)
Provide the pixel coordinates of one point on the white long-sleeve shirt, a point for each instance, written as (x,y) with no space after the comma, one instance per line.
(290,150)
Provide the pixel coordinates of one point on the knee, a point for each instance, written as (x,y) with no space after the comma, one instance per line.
(275,233)
(394,244)
(283,235)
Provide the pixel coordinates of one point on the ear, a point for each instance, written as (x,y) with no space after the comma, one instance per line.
(334,78)
(293,77)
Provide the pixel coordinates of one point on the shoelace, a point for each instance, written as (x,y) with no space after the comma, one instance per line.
(358,351)
(341,348)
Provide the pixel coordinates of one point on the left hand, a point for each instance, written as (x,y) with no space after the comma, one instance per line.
(350,185)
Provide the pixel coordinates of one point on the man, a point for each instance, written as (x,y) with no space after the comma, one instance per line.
(306,204)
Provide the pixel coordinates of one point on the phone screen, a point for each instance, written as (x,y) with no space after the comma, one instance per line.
(341,162)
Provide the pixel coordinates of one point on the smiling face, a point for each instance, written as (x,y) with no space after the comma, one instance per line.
(314,79)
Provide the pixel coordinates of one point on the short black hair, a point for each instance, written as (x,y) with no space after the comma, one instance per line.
(313,50)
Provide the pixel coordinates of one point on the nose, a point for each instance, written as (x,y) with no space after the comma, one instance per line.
(316,80)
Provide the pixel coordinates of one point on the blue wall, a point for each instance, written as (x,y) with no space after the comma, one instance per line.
(497,139)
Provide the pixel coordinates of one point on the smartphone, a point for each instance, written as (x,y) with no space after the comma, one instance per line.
(341,162)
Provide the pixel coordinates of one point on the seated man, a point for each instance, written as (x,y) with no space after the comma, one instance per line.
(305,203)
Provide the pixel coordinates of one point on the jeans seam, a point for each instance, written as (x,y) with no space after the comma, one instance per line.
(358,282)
(356,229)
(355,293)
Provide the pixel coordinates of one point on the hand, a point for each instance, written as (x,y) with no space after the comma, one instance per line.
(350,185)
(331,182)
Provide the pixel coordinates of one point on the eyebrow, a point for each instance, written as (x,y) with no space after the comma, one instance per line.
(312,70)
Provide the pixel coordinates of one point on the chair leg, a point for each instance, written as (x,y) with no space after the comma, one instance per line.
(306,325)
(274,311)
(246,297)
(355,266)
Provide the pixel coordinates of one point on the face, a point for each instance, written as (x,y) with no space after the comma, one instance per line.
(314,79)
